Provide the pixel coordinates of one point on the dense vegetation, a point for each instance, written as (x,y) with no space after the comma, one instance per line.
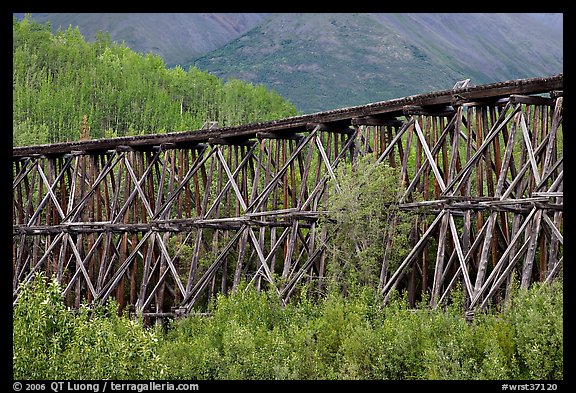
(60,78)
(364,225)
(249,335)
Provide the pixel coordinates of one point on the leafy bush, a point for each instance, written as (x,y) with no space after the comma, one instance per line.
(250,335)
(536,318)
(363,217)
(52,342)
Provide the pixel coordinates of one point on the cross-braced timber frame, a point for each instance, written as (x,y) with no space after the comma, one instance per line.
(162,222)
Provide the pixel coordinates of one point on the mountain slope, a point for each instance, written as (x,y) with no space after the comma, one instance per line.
(63,86)
(495,46)
(324,61)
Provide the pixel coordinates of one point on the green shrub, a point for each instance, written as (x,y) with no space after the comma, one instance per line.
(249,335)
(402,341)
(190,351)
(451,351)
(536,317)
(42,328)
(362,215)
(53,342)
(494,340)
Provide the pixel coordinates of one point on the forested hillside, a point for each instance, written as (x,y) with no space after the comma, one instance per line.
(176,37)
(59,79)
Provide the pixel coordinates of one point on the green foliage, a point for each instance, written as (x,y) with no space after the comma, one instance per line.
(26,133)
(365,227)
(52,342)
(250,335)
(42,328)
(59,78)
(537,320)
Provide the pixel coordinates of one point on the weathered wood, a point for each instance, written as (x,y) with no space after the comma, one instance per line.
(321,182)
(516,183)
(419,168)
(483,263)
(399,133)
(404,171)
(499,125)
(376,121)
(478,292)
(530,254)
(266,191)
(273,135)
(392,282)
(439,266)
(440,110)
(531,100)
(191,296)
(461,258)
(554,271)
(529,150)
(429,157)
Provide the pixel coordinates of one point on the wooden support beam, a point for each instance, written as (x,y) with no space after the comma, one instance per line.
(441,110)
(531,100)
(556,93)
(393,281)
(231,141)
(439,266)
(274,135)
(466,171)
(513,243)
(257,202)
(106,210)
(117,149)
(399,133)
(376,121)
(469,102)
(335,127)
(500,89)
(192,296)
(429,157)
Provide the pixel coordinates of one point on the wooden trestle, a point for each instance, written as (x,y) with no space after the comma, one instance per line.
(162,222)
